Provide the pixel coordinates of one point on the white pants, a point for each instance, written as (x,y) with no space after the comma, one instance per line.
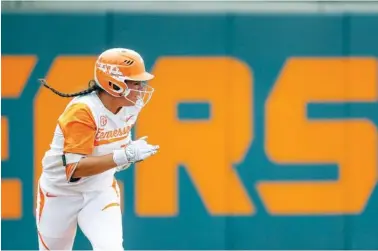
(98,215)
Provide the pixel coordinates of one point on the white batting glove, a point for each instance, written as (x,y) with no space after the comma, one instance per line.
(139,150)
(136,151)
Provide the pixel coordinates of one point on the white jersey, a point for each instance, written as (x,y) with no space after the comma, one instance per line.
(85,128)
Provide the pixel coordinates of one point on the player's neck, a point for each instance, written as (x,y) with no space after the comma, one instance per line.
(109,102)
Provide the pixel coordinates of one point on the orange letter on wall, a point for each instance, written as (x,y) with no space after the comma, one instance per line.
(292,139)
(207,148)
(15,74)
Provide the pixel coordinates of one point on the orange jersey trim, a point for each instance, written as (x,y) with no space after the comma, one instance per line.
(41,203)
(79,129)
(114,185)
(43,243)
(114,204)
(70,169)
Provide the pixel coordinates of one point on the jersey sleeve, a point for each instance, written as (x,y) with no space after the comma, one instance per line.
(79,129)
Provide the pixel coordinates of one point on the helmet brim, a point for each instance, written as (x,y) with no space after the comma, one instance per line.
(145,76)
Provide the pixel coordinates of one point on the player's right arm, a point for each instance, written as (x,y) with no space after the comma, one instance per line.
(137,150)
(79,129)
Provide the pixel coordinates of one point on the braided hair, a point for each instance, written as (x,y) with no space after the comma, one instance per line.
(92,86)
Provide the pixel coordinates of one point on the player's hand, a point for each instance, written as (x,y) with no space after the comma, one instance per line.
(139,150)
(136,151)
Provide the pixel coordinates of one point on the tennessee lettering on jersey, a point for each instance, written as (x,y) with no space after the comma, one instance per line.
(106,137)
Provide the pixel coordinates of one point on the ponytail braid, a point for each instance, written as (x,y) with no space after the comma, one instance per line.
(92,86)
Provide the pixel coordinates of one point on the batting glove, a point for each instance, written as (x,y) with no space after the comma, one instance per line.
(136,151)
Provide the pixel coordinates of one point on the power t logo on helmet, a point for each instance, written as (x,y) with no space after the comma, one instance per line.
(116,67)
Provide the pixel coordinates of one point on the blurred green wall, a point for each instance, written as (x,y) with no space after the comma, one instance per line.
(263,43)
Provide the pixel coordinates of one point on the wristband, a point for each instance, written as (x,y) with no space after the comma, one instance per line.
(119,157)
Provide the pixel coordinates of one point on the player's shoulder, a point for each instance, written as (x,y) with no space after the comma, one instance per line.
(77,108)
(88,99)
(76,112)
(80,108)
(85,103)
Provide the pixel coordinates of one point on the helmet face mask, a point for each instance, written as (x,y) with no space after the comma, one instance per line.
(117,67)
(142,95)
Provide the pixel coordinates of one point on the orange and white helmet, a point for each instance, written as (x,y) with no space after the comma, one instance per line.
(114,67)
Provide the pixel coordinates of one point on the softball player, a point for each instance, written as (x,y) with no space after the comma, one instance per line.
(91,142)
